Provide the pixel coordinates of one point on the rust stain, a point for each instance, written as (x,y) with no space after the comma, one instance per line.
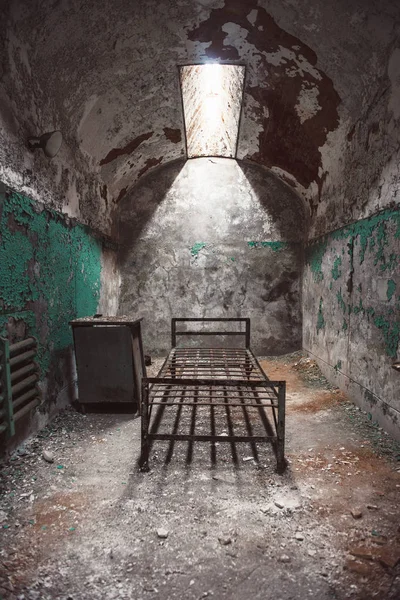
(173,135)
(150,162)
(120,195)
(323,401)
(60,509)
(284,140)
(128,149)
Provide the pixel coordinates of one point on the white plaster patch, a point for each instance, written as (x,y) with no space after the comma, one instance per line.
(307,102)
(300,66)
(16,182)
(197,50)
(71,206)
(267,227)
(252,16)
(280,57)
(236,34)
(394,75)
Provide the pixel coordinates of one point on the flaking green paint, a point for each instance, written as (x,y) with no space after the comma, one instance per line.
(195,249)
(359,308)
(336,272)
(391,334)
(372,236)
(375,236)
(338,366)
(314,255)
(391,288)
(340,300)
(49,273)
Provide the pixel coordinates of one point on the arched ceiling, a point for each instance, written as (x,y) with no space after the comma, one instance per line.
(105,72)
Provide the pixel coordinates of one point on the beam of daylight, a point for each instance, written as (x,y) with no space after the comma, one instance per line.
(212,98)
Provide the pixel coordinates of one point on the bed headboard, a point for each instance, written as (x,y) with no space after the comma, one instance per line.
(245,333)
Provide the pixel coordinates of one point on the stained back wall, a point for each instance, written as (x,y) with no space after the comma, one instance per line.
(213,238)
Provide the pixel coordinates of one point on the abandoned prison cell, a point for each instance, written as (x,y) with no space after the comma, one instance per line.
(199,299)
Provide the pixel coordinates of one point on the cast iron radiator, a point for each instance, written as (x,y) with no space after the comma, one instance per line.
(228,377)
(18,382)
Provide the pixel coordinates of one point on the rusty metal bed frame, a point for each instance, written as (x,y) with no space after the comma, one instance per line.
(217,376)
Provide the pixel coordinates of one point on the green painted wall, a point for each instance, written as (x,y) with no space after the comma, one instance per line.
(351,311)
(49,273)
(348,266)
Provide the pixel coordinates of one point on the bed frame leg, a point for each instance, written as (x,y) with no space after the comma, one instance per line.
(280,430)
(144,450)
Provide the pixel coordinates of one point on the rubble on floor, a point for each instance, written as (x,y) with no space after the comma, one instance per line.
(89,526)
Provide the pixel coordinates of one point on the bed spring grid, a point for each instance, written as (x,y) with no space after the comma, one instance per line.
(214,377)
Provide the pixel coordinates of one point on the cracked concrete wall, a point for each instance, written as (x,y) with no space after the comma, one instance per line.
(351,309)
(351,312)
(213,238)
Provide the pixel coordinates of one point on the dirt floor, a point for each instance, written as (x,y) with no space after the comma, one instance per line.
(206,522)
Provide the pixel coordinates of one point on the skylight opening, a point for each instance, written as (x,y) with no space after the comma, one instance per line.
(212,100)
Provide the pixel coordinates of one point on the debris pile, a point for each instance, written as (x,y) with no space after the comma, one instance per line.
(311,373)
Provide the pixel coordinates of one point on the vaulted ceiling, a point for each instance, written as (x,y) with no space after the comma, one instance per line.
(105,73)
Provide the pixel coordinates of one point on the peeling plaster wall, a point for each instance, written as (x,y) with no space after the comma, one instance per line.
(353,272)
(315,71)
(321,106)
(351,312)
(29,107)
(50,273)
(366,177)
(213,238)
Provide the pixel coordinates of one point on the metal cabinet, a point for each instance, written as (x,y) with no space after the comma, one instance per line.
(109,360)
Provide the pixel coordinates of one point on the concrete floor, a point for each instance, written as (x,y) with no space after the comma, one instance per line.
(87,526)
